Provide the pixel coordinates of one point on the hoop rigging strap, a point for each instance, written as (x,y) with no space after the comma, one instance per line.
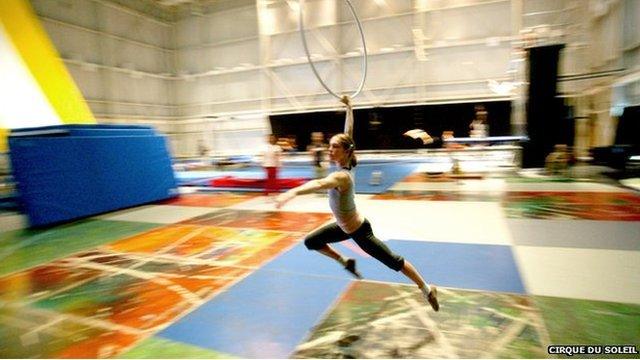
(313,67)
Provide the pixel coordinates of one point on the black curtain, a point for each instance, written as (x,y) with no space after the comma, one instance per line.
(628,131)
(546,125)
(383,128)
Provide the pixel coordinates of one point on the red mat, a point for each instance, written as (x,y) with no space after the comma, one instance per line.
(233,182)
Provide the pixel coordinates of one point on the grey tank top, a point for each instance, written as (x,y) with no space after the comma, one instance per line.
(343,206)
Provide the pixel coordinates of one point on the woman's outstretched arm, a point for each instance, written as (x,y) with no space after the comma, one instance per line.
(329,182)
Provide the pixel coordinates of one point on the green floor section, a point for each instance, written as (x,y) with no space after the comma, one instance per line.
(22,249)
(585,322)
(158,348)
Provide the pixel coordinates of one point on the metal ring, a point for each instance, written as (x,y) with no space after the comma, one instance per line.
(313,67)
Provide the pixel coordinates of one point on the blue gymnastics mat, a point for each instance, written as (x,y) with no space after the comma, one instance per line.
(391,173)
(64,173)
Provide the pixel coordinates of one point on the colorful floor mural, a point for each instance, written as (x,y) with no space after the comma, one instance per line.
(369,316)
(225,275)
(374,320)
(120,293)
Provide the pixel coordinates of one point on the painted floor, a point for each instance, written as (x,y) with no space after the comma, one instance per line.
(521,264)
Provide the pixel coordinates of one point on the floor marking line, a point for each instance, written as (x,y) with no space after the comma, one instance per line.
(433,326)
(508,335)
(102,324)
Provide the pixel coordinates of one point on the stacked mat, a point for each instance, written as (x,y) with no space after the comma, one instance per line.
(72,171)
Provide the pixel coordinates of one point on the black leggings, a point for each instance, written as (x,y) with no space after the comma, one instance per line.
(363,237)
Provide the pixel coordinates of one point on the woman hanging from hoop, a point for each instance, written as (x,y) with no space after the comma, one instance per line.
(340,185)
(349,223)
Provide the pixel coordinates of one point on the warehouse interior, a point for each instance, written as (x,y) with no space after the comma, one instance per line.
(135,213)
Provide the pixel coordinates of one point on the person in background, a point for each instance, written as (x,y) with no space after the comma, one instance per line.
(557,162)
(446,135)
(293,145)
(271,163)
(349,222)
(203,152)
(317,149)
(479,126)
(284,143)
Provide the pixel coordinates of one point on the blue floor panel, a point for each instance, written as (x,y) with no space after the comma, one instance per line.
(266,315)
(391,173)
(300,260)
(464,266)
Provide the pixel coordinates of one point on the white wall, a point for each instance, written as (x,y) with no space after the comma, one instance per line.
(121,59)
(22,102)
(629,83)
(200,73)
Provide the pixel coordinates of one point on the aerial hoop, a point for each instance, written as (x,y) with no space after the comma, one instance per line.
(313,67)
